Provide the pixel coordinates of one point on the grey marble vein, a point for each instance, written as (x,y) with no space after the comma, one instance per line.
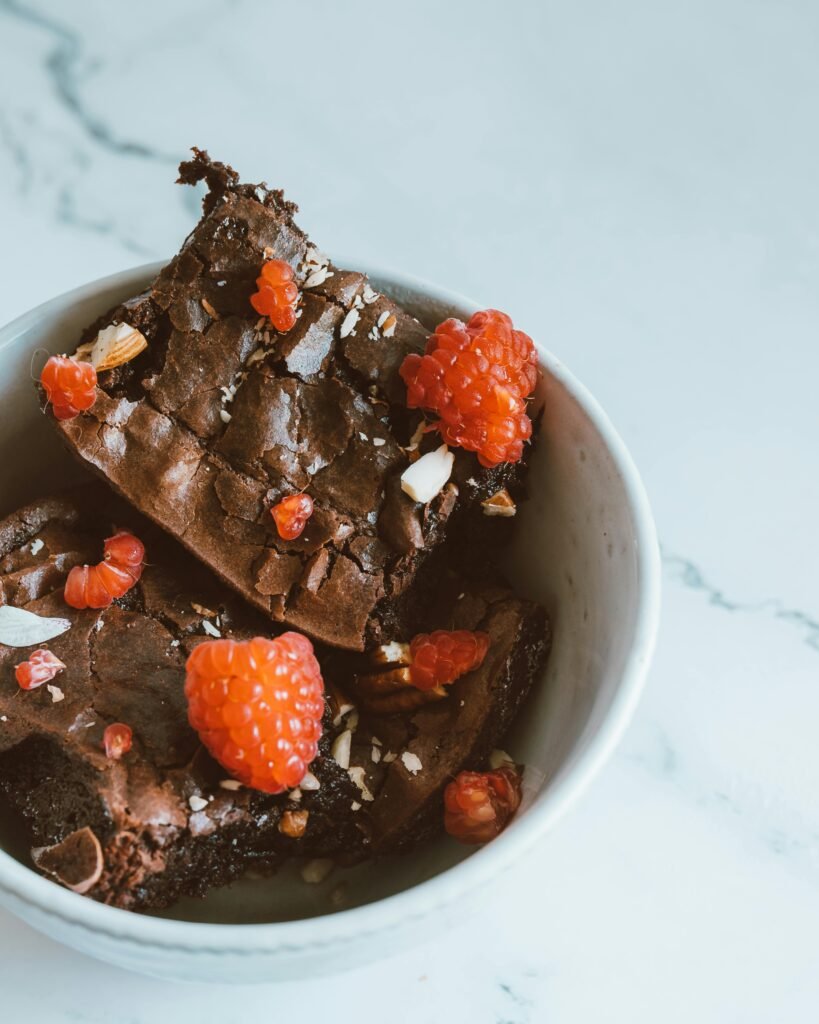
(686,572)
(64,64)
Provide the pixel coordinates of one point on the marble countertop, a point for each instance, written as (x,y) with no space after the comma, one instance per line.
(636,183)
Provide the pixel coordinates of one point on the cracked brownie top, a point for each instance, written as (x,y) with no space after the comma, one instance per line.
(220,417)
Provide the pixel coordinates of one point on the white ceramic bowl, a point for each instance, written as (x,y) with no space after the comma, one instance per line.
(586,547)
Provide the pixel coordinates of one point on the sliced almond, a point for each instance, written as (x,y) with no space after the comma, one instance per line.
(76,861)
(500,504)
(113,346)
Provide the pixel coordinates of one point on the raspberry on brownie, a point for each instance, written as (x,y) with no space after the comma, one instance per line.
(225,416)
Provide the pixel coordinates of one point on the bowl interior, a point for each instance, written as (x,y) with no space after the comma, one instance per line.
(575,551)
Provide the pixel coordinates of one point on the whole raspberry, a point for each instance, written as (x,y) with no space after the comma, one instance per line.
(441,657)
(96,586)
(476,378)
(291,515)
(70,386)
(277,295)
(257,706)
(479,805)
(41,666)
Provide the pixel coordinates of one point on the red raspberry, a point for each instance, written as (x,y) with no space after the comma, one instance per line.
(478,805)
(476,377)
(117,740)
(441,657)
(257,706)
(96,586)
(277,295)
(291,515)
(70,386)
(41,666)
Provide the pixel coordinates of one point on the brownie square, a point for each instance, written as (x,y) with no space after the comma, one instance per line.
(221,417)
(165,819)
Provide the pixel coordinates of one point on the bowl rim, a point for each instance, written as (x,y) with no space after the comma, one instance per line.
(20,883)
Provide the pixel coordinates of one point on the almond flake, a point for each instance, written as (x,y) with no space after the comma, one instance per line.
(412,762)
(210,629)
(310,783)
(358,776)
(56,693)
(341,748)
(389,757)
(427,476)
(210,310)
(498,758)
(21,628)
(316,278)
(363,436)
(345,709)
(113,346)
(389,326)
(232,784)
(295,795)
(37,546)
(225,416)
(200,609)
(379,441)
(375,755)
(197,803)
(377,741)
(348,323)
(368,294)
(315,871)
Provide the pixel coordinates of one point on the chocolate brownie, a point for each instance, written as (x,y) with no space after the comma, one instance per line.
(164,819)
(221,417)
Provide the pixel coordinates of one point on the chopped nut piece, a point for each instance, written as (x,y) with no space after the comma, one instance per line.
(197,803)
(426,478)
(393,653)
(210,629)
(389,325)
(310,783)
(412,762)
(498,758)
(37,546)
(294,823)
(500,504)
(315,871)
(210,310)
(349,322)
(76,861)
(230,784)
(56,693)
(341,748)
(358,776)
(113,346)
(389,757)
(200,609)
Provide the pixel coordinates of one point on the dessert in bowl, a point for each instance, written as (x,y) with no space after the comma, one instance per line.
(213,423)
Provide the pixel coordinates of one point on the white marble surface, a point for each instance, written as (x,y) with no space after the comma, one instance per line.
(636,184)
